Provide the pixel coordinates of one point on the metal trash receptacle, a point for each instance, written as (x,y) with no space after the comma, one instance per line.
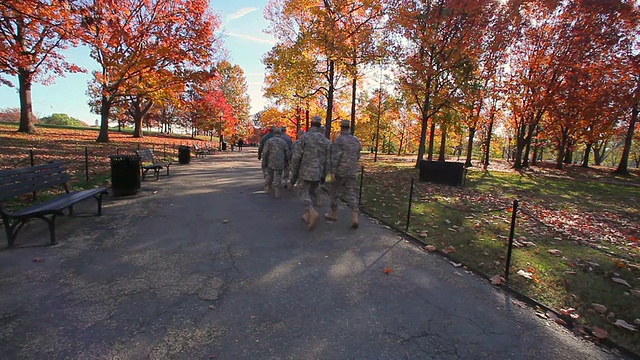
(125,174)
(184,154)
(224,146)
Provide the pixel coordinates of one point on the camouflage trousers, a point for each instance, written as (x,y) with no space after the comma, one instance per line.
(307,191)
(347,186)
(273,178)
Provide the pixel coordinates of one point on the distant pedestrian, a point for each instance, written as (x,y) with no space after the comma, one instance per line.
(343,164)
(276,152)
(309,158)
(240,144)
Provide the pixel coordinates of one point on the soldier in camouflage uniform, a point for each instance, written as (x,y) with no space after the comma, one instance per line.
(293,147)
(263,141)
(274,159)
(287,139)
(309,158)
(345,153)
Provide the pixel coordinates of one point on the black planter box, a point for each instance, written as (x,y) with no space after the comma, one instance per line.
(443,172)
(125,174)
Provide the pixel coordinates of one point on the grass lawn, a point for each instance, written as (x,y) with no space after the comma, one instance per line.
(576,236)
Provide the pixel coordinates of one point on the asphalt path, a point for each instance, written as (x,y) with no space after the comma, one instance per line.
(202,264)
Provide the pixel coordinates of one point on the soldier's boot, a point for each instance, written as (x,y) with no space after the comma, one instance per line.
(276,193)
(354,219)
(305,216)
(267,188)
(333,215)
(313,219)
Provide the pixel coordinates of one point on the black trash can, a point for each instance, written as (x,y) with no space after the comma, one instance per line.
(125,174)
(184,154)
(443,172)
(224,146)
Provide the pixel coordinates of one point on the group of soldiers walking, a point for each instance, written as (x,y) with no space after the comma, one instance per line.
(306,163)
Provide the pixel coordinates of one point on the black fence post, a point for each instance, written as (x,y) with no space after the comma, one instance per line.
(86,163)
(511,235)
(117,150)
(164,150)
(32,158)
(361,179)
(409,209)
(138,146)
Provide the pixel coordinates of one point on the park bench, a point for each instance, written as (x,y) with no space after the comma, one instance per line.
(16,183)
(148,162)
(200,151)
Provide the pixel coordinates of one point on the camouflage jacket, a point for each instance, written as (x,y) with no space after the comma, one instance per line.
(345,153)
(310,157)
(262,142)
(275,154)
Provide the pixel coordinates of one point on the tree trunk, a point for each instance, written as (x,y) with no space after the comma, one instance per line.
(487,146)
(26,107)
(105,107)
(404,129)
(624,159)
(587,152)
(432,134)
(327,130)
(443,142)
(354,85)
(472,134)
(426,107)
(561,149)
(138,112)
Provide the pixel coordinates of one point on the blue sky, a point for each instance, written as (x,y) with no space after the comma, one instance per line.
(242,23)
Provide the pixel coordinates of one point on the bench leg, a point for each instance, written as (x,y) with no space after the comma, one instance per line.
(99,199)
(157,171)
(8,229)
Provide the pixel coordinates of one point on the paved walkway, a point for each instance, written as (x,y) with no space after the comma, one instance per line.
(202,264)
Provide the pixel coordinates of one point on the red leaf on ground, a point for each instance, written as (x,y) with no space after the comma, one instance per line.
(37,259)
(387,270)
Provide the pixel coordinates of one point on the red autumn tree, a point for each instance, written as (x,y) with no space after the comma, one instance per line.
(135,41)
(32,35)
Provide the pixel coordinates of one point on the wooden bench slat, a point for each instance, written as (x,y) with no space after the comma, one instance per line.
(32,185)
(57,204)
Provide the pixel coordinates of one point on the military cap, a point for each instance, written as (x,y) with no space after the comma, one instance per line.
(277,131)
(316,120)
(345,124)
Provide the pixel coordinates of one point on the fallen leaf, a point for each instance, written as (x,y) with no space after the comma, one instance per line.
(387,270)
(637,322)
(625,325)
(449,250)
(37,259)
(570,272)
(525,274)
(225,221)
(455,264)
(430,248)
(555,318)
(635,293)
(600,333)
(555,252)
(497,280)
(620,281)
(423,234)
(599,308)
